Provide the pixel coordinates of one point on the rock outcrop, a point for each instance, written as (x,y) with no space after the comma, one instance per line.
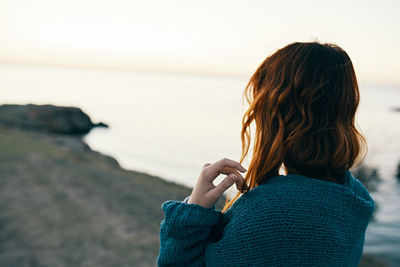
(47,118)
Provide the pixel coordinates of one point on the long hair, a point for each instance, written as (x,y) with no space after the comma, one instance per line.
(303,100)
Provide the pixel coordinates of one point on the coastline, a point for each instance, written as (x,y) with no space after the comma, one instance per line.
(63,204)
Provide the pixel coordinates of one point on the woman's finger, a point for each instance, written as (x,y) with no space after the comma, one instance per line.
(206,165)
(212,171)
(221,164)
(229,170)
(225,166)
(225,184)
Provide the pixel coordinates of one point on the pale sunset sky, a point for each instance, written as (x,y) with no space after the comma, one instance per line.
(208,36)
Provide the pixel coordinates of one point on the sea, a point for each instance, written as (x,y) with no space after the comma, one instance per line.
(171,124)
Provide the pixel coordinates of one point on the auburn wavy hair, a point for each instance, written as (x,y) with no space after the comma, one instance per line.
(303,100)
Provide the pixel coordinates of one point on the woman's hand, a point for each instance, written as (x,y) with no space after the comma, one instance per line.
(205,193)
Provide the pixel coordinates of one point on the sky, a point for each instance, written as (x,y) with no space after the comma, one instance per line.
(208,36)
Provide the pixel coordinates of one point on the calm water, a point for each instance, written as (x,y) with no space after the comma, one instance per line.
(170,125)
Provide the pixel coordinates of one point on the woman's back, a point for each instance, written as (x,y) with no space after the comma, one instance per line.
(288,221)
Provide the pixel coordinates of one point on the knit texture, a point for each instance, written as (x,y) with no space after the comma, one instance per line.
(289,220)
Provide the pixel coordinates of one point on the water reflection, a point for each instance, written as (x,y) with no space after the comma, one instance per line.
(368,175)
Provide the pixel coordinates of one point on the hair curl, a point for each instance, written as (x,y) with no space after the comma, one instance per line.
(303,100)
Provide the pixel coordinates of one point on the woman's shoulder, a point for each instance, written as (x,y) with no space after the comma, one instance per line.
(296,192)
(276,194)
(283,187)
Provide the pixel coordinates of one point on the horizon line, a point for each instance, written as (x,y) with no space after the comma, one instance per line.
(215,74)
(161,71)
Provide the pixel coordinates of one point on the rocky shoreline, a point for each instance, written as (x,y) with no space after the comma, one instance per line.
(47,118)
(63,204)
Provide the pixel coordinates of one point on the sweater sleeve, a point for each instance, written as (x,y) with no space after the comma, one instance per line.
(184,233)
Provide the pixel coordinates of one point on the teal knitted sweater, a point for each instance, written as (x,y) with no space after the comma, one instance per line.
(289,220)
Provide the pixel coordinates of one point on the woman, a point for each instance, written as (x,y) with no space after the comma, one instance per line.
(303,100)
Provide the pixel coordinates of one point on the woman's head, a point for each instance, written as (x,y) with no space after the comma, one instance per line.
(303,100)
